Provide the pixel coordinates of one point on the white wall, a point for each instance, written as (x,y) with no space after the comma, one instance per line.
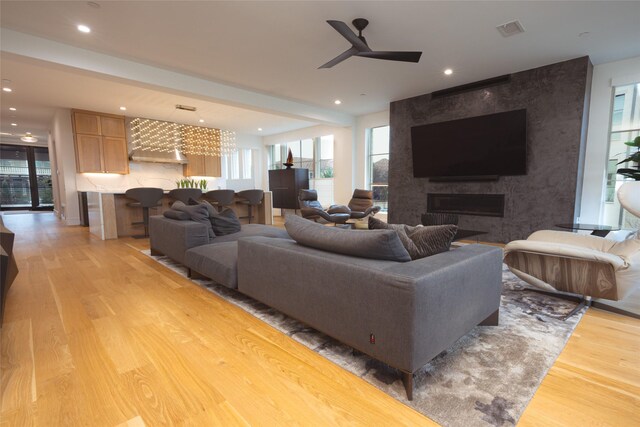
(343,155)
(605,76)
(62,135)
(54,175)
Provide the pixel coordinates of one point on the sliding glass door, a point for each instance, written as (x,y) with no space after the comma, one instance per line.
(25,178)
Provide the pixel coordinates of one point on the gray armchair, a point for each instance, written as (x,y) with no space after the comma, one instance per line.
(360,205)
(310,208)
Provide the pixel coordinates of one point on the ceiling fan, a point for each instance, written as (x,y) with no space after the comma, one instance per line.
(359,46)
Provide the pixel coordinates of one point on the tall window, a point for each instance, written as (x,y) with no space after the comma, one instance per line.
(315,154)
(378,165)
(238,165)
(25,177)
(625,126)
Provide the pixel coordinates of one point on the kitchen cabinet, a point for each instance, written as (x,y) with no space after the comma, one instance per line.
(201,165)
(101,144)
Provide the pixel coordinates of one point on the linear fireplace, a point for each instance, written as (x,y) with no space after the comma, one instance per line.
(466,204)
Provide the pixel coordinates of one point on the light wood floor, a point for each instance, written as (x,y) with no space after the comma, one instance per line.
(95,333)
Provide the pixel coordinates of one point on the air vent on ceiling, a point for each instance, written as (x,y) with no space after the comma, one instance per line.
(185,107)
(510,28)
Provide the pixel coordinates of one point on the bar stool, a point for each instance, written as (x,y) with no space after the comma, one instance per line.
(220,198)
(146,197)
(184,194)
(250,198)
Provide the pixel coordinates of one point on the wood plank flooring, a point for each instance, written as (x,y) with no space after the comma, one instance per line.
(97,334)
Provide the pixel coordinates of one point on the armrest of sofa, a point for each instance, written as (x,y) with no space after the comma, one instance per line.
(173,237)
(454,292)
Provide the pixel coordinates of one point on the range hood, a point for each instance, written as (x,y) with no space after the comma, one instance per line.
(167,142)
(159,143)
(141,155)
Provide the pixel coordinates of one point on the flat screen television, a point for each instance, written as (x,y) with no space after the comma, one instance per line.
(476,147)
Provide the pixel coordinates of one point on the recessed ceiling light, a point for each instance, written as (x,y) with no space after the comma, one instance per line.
(123,108)
(84,29)
(201,120)
(6,133)
(12,108)
(448,71)
(337,102)
(7,89)
(14,124)
(259,129)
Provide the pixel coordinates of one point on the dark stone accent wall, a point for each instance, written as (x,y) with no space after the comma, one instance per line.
(556,98)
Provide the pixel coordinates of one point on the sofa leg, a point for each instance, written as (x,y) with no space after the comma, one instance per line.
(492,320)
(407,380)
(155,252)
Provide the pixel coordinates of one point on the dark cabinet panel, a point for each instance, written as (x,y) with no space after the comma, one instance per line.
(284,185)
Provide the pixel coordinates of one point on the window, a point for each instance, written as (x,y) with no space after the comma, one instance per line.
(238,165)
(25,177)
(625,126)
(378,165)
(315,154)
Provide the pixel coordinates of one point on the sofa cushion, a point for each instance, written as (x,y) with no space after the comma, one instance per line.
(375,244)
(199,213)
(420,241)
(175,214)
(217,261)
(251,230)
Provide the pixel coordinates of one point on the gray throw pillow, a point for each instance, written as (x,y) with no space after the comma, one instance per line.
(420,241)
(376,244)
(179,215)
(225,222)
(198,213)
(212,210)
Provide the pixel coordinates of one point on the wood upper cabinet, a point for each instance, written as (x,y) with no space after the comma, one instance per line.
(200,165)
(89,153)
(87,123)
(112,126)
(101,144)
(115,157)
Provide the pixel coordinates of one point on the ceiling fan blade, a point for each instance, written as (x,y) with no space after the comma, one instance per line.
(338,59)
(348,34)
(392,56)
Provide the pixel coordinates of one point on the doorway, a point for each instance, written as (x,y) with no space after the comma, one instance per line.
(25,178)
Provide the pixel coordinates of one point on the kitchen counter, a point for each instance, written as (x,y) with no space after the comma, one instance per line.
(110,217)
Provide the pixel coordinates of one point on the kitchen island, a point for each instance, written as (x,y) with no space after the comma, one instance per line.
(110,217)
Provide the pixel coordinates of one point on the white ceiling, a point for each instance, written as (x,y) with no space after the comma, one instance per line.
(275,48)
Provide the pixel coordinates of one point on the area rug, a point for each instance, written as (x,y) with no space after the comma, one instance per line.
(486,378)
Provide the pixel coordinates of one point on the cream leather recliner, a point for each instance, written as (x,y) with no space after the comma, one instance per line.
(580,264)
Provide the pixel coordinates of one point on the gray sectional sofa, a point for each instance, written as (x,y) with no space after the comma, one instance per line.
(401,313)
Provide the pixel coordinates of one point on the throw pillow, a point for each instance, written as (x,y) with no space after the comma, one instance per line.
(212,210)
(375,244)
(198,213)
(420,241)
(179,215)
(225,222)
(432,240)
